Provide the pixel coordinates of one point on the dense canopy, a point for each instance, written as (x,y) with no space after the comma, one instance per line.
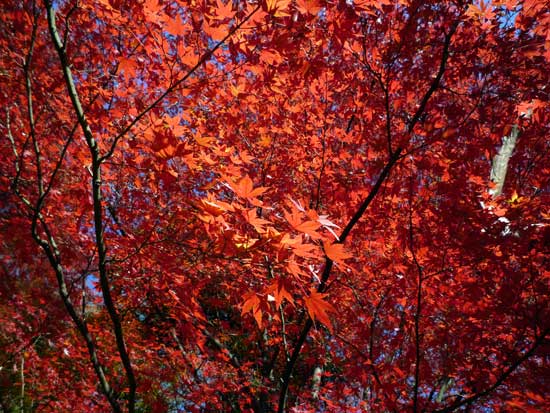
(275,206)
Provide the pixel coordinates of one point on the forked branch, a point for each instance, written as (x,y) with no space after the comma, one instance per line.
(97,206)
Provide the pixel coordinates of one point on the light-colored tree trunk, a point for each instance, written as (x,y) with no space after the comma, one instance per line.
(501,160)
(316,386)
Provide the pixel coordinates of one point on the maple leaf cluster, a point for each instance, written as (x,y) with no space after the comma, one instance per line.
(275,206)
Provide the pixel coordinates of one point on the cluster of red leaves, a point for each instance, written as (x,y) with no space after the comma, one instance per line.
(251,191)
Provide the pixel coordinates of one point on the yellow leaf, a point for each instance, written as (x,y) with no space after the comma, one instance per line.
(278,7)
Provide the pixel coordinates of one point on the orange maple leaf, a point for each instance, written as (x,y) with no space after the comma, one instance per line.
(309,6)
(280,292)
(318,308)
(252,304)
(175,26)
(305,250)
(335,252)
(307,227)
(224,11)
(259,224)
(216,33)
(245,189)
(205,141)
(278,7)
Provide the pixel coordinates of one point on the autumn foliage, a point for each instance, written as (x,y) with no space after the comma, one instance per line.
(274,206)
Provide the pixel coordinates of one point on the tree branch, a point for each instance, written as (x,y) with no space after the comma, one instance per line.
(436,80)
(53,257)
(285,380)
(502,378)
(394,157)
(97,206)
